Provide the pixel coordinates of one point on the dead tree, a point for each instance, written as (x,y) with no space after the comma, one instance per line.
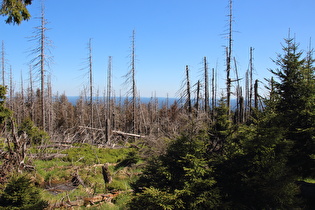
(3,63)
(50,110)
(239,97)
(197,98)
(11,92)
(214,90)
(250,79)
(108,101)
(106,175)
(30,95)
(246,94)
(134,91)
(131,80)
(42,66)
(91,82)
(228,59)
(206,85)
(22,104)
(188,100)
(41,60)
(14,158)
(109,88)
(256,94)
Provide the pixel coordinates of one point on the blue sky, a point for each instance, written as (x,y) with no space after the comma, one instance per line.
(170,34)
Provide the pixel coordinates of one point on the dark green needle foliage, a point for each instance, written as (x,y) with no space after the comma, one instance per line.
(296,105)
(180,179)
(15,10)
(21,194)
(4,111)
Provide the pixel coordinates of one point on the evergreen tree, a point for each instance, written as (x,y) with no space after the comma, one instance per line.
(254,174)
(221,129)
(4,111)
(15,10)
(296,105)
(21,194)
(180,179)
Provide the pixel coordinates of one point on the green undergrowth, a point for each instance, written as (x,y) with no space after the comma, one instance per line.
(89,154)
(86,161)
(310,180)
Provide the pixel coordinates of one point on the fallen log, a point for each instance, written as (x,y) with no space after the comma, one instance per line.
(47,156)
(114,132)
(127,134)
(54,146)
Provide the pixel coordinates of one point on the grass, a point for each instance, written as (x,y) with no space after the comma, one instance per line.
(86,160)
(89,154)
(310,180)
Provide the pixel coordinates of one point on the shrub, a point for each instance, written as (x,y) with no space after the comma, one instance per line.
(35,134)
(131,158)
(21,194)
(152,198)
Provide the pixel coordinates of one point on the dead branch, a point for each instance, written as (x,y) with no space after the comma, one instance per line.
(114,132)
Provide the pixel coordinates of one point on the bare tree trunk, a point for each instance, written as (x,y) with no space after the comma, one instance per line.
(3,64)
(109,121)
(31,96)
(198,96)
(247,102)
(238,95)
(228,60)
(22,99)
(241,101)
(42,66)
(107,131)
(213,90)
(91,84)
(206,86)
(11,92)
(251,78)
(109,87)
(188,102)
(106,175)
(228,82)
(50,109)
(133,82)
(256,94)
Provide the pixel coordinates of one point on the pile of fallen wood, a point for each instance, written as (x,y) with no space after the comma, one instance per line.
(89,201)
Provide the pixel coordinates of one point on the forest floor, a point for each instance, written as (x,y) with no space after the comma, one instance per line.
(74,178)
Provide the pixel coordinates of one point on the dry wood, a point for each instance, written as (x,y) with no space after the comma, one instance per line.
(106,174)
(127,134)
(54,146)
(76,180)
(97,199)
(114,132)
(47,156)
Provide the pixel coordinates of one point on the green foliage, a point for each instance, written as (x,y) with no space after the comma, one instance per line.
(51,169)
(89,154)
(296,105)
(35,134)
(21,194)
(122,200)
(4,112)
(155,199)
(119,185)
(257,177)
(131,158)
(182,177)
(15,10)
(221,129)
